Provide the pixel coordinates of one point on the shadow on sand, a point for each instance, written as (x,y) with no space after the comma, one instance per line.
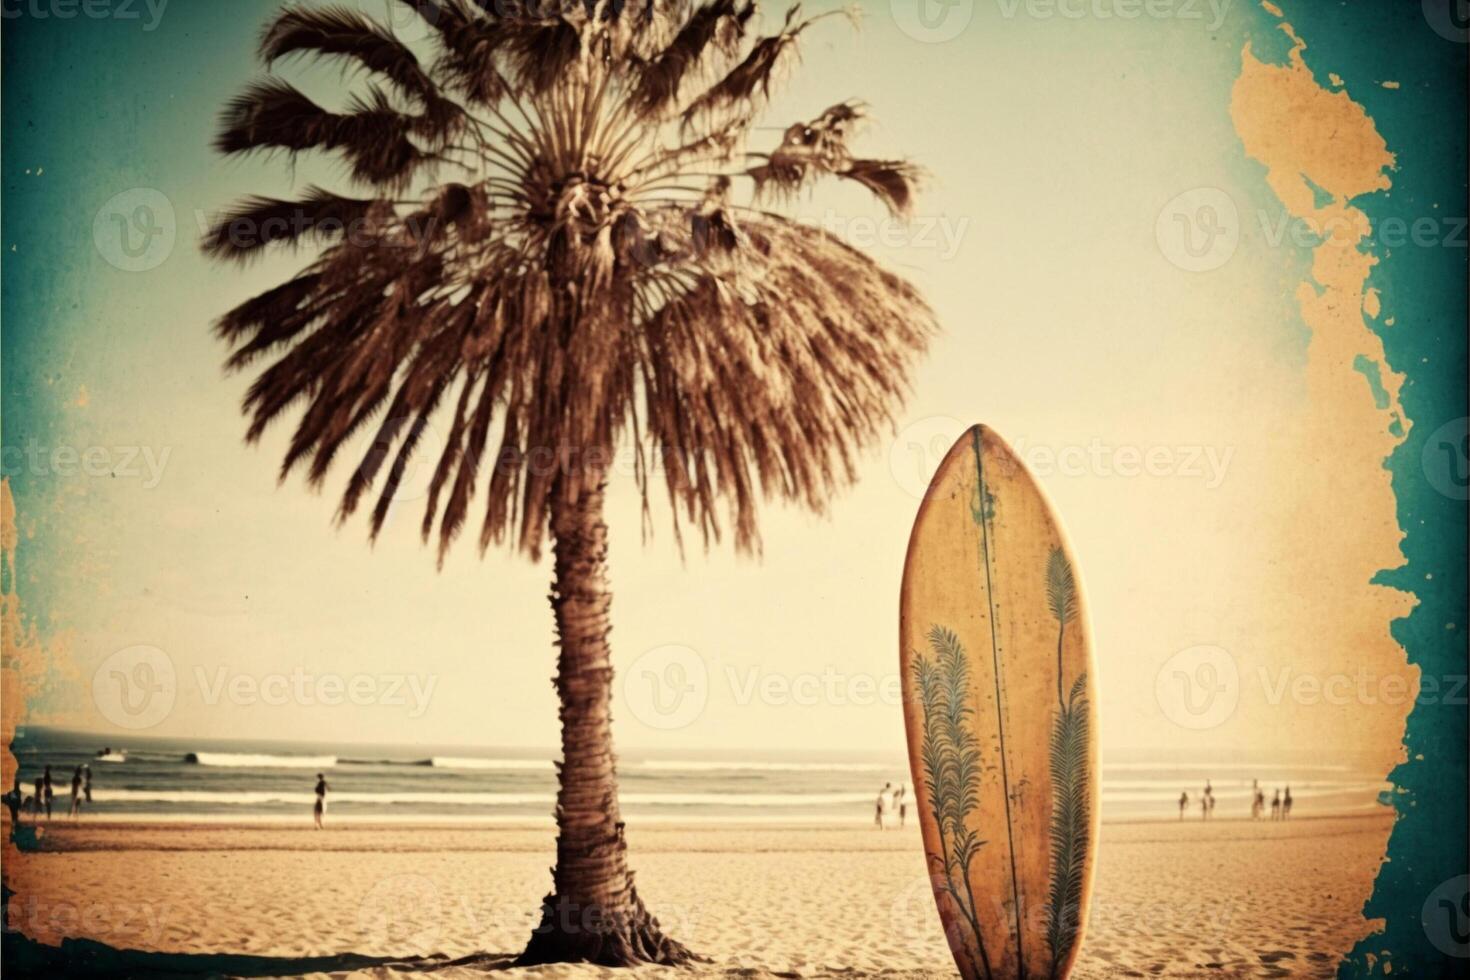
(24,957)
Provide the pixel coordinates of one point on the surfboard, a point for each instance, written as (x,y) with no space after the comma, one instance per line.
(1001,717)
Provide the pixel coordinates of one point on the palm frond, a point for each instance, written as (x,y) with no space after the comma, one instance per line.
(718,24)
(891,181)
(753,76)
(337,31)
(373,135)
(241,232)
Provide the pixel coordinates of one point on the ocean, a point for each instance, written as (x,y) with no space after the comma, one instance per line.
(159,779)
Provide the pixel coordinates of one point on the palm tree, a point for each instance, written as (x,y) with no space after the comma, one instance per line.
(586,281)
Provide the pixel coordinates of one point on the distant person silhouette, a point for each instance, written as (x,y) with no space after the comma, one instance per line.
(902,798)
(1204,808)
(319,812)
(38,801)
(1183,803)
(13,801)
(1276,806)
(87,783)
(50,791)
(76,793)
(1286,804)
(1258,804)
(882,805)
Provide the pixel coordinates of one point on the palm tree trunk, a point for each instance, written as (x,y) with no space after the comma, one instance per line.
(594,913)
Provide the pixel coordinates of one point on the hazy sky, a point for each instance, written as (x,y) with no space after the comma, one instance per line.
(1148,381)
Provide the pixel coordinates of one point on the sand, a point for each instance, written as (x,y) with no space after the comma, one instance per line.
(1223,899)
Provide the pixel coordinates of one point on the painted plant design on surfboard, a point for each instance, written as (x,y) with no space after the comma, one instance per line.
(949,754)
(951,759)
(1069,785)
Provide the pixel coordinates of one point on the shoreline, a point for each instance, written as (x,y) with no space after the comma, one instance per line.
(814,824)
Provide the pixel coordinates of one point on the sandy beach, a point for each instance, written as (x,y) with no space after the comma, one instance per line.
(1193,899)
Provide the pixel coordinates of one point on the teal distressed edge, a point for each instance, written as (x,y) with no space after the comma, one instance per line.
(1424,290)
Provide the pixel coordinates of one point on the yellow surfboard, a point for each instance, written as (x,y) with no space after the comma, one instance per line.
(1001,715)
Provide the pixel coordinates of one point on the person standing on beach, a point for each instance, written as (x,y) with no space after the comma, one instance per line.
(13,800)
(76,793)
(881,809)
(1183,803)
(50,792)
(1286,804)
(901,798)
(87,783)
(1276,806)
(37,801)
(319,812)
